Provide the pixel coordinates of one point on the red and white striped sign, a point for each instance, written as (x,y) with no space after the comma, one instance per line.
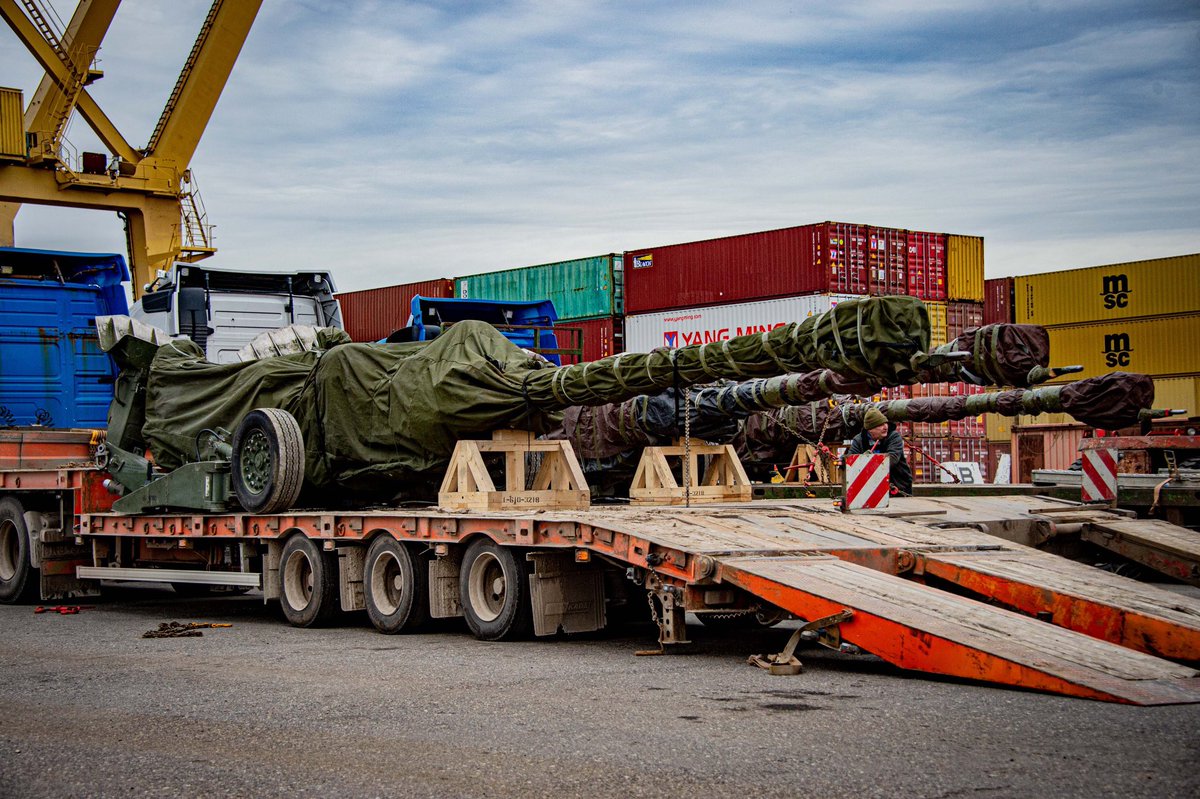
(1099,475)
(867,483)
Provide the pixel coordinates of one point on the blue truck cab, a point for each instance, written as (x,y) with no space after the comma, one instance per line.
(528,324)
(52,370)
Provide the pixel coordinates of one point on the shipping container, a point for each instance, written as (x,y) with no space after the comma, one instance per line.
(996,451)
(1162,347)
(1178,392)
(937,322)
(602,337)
(681,327)
(1156,287)
(930,458)
(964,268)
(887,259)
(833,257)
(373,314)
(998,427)
(998,301)
(825,257)
(55,374)
(583,288)
(927,265)
(12,124)
(889,393)
(960,316)
(925,456)
(1044,447)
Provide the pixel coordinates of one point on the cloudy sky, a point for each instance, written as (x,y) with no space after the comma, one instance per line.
(400,141)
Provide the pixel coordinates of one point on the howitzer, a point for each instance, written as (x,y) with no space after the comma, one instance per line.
(1111,401)
(364,422)
(779,410)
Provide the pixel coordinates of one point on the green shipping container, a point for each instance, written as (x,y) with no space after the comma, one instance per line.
(580,289)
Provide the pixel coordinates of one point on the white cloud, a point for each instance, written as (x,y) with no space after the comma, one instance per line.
(437,141)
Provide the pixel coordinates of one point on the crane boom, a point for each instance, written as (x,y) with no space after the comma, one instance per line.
(149,187)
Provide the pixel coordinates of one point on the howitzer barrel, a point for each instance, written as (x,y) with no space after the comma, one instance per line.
(874,339)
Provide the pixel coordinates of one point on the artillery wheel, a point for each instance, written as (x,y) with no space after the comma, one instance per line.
(308,580)
(268,461)
(494,590)
(395,587)
(19,581)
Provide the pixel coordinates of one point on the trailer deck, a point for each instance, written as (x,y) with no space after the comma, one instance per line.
(1069,629)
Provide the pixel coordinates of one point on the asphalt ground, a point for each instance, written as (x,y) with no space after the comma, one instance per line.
(261,709)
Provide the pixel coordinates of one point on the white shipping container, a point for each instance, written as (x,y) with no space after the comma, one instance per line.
(644,332)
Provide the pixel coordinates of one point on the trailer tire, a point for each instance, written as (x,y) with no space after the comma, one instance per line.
(268,461)
(494,590)
(395,587)
(19,581)
(308,582)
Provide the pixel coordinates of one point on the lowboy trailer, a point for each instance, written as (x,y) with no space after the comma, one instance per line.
(951,601)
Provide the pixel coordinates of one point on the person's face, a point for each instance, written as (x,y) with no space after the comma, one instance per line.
(878,432)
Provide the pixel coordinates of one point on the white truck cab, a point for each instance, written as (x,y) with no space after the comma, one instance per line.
(222,310)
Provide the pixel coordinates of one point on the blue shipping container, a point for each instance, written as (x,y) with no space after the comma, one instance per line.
(52,370)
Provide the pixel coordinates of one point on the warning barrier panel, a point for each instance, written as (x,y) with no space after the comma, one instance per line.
(1099,475)
(867,484)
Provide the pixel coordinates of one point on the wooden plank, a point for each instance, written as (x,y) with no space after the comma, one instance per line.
(917,627)
(1078,597)
(1173,551)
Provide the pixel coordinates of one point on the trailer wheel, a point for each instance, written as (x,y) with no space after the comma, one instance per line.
(396,587)
(494,591)
(268,461)
(19,581)
(309,583)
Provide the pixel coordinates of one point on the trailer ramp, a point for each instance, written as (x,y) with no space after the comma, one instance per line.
(814,563)
(918,627)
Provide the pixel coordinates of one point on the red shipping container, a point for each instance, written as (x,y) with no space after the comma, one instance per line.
(998,300)
(373,314)
(927,265)
(602,337)
(960,316)
(921,450)
(887,253)
(810,259)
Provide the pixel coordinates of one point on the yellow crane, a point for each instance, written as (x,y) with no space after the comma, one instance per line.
(150,187)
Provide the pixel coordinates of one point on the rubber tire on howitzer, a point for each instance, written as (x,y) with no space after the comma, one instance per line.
(308,583)
(493,587)
(395,586)
(268,461)
(19,581)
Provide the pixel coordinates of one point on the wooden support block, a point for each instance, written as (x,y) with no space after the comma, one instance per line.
(724,479)
(558,483)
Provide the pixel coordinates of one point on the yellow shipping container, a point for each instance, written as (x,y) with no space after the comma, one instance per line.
(997,427)
(12,123)
(1118,291)
(1166,346)
(937,322)
(964,268)
(1178,392)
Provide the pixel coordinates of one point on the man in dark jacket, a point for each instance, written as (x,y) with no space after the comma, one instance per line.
(879,437)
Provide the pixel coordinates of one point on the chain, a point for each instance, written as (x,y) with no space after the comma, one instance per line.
(687,447)
(820,446)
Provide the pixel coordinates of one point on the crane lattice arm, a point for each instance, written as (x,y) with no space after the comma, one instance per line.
(150,187)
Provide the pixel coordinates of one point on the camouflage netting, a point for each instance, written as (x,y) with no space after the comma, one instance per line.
(381,420)
(1001,355)
(1108,402)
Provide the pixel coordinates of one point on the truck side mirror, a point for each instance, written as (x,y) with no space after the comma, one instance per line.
(157,301)
(193,314)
